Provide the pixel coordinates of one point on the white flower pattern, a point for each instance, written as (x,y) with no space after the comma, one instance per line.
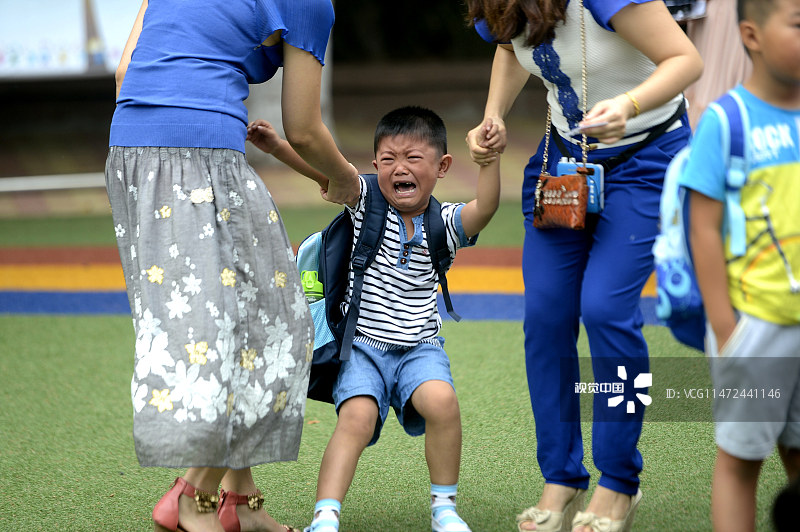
(281,358)
(138,394)
(192,307)
(192,284)
(178,305)
(254,404)
(299,306)
(296,398)
(152,355)
(181,383)
(249,291)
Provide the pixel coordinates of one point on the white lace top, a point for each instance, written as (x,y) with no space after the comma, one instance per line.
(613,66)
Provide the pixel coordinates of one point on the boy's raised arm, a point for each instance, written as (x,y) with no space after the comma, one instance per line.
(476,214)
(709,264)
(264,137)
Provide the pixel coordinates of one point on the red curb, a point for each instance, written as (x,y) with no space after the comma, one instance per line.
(477,256)
(59,255)
(489,256)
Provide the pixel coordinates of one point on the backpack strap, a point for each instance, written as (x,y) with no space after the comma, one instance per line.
(366,248)
(734,124)
(440,253)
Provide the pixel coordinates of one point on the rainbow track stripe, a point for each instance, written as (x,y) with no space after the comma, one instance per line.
(485,283)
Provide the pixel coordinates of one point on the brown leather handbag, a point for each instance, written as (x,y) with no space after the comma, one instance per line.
(561,201)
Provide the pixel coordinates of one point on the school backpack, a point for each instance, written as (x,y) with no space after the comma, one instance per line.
(324,260)
(680,305)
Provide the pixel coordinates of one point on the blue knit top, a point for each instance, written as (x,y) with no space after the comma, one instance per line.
(189,73)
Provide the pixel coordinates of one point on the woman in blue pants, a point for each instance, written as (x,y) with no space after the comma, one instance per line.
(635,65)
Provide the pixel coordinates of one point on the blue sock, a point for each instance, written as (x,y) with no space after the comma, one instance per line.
(443,495)
(443,508)
(326,516)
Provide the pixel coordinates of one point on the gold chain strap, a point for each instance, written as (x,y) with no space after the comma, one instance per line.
(584,95)
(584,144)
(546,144)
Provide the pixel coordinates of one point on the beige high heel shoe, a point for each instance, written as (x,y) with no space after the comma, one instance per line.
(550,521)
(605,524)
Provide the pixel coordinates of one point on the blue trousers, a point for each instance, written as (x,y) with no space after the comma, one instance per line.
(597,275)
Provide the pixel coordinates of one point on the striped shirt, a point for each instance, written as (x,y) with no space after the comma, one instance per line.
(398,298)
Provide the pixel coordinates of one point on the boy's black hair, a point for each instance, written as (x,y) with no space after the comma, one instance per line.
(755,10)
(413,121)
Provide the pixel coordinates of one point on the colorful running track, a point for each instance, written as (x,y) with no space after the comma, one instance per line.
(485,283)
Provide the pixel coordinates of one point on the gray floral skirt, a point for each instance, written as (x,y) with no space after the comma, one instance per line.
(223,332)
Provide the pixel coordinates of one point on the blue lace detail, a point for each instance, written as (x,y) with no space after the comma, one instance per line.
(549,62)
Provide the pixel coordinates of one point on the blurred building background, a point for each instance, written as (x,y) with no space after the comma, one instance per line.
(57,59)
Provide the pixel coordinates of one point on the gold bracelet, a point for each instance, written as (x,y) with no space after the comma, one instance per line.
(635,102)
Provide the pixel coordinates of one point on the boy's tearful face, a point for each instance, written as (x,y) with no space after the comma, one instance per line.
(408,168)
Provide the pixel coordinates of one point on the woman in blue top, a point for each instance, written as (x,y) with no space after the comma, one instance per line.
(637,62)
(223,332)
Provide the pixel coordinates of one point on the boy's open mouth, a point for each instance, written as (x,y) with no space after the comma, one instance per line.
(404,187)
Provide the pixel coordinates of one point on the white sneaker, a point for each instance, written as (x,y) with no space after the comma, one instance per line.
(447,520)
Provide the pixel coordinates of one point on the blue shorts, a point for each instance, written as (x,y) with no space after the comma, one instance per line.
(390,376)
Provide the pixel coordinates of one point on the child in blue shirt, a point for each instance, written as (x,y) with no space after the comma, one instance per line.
(752,301)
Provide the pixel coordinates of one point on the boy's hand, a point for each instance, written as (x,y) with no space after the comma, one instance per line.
(487,140)
(723,329)
(263,136)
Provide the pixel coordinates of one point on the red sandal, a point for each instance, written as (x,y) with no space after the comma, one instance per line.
(165,513)
(227,509)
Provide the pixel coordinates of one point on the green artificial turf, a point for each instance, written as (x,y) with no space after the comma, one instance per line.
(66,451)
(504,230)
(69,231)
(67,459)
